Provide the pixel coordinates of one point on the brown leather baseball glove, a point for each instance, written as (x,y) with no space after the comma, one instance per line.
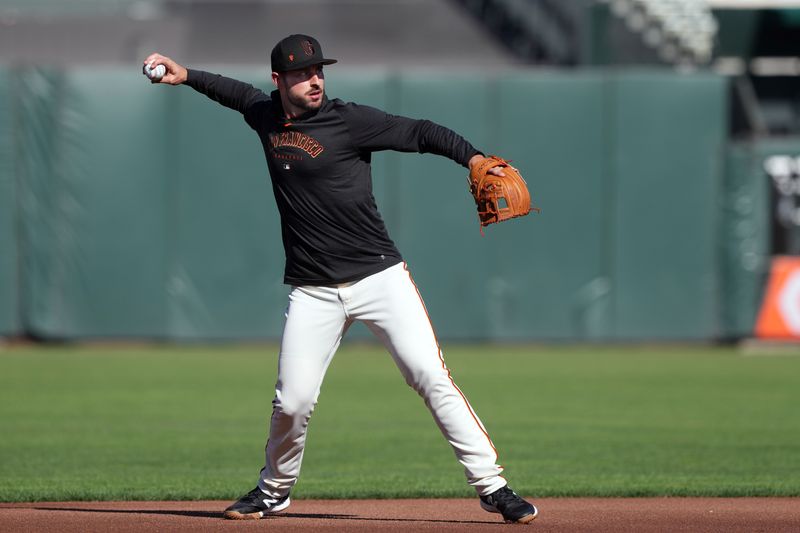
(498,198)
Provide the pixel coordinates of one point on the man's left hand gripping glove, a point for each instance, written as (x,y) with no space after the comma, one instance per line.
(499,198)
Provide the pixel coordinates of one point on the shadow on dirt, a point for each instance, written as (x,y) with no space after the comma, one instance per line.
(318,516)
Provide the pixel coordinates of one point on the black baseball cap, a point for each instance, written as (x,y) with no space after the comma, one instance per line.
(297,51)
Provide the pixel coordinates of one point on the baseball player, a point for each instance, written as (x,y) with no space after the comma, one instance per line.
(340,262)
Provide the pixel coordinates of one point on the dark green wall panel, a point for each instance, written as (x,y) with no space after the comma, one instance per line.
(667,173)
(225,255)
(9,253)
(550,270)
(746,223)
(93,173)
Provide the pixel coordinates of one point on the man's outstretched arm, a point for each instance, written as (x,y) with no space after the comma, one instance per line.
(373,129)
(231,93)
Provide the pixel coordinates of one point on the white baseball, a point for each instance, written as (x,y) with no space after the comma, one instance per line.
(156,73)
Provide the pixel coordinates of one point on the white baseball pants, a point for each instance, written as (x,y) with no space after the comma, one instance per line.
(391,307)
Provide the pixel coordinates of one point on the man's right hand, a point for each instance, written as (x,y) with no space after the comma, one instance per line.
(176,74)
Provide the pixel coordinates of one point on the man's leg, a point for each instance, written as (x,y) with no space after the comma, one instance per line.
(315,324)
(390,305)
(392,308)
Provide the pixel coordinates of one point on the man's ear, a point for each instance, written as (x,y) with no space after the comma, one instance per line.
(275,78)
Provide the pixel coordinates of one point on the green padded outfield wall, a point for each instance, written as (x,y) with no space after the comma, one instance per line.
(220,203)
(666,171)
(9,256)
(745,239)
(93,183)
(555,282)
(147,211)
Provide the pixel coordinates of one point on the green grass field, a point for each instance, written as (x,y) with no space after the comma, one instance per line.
(81,423)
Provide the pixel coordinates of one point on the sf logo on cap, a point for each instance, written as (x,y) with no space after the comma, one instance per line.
(308,48)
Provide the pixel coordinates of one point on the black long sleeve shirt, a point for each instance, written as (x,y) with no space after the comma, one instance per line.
(321,176)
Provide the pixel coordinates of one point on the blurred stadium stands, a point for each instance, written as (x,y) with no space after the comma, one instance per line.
(576,32)
(682,31)
(400,32)
(392,33)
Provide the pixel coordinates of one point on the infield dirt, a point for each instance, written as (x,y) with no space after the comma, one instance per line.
(640,515)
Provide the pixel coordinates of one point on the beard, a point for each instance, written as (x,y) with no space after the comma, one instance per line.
(305,102)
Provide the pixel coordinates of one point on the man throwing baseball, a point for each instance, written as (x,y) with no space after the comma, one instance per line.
(340,262)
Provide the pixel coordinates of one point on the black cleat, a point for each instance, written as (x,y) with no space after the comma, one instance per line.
(254,505)
(513,508)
